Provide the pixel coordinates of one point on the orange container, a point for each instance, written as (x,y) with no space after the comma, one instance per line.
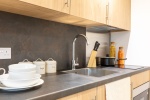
(121,56)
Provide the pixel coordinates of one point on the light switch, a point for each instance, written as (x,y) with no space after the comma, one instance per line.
(5,53)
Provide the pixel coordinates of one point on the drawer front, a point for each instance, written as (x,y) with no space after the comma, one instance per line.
(143,96)
(140,79)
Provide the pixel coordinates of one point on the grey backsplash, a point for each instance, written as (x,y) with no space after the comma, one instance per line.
(31,38)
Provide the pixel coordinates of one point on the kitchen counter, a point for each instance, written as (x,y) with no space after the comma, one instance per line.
(61,85)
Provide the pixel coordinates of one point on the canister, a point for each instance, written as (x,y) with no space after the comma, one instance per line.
(51,66)
(40,66)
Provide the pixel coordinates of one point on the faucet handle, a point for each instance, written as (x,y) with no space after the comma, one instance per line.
(76,62)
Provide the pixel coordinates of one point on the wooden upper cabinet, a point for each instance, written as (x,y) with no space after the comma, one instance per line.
(116,13)
(84,13)
(119,13)
(100,11)
(58,5)
(94,10)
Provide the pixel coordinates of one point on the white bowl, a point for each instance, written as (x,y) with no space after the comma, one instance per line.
(21,75)
(18,83)
(22,67)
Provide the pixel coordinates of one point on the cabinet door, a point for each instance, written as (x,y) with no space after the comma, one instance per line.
(101,93)
(119,90)
(119,13)
(72,97)
(94,10)
(100,11)
(87,95)
(58,5)
(143,96)
(139,79)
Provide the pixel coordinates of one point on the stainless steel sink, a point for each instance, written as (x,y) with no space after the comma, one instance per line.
(97,72)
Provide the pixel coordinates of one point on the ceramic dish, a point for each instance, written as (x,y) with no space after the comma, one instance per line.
(22,75)
(18,83)
(22,67)
(4,88)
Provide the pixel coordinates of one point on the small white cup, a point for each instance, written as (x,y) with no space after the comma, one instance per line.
(4,71)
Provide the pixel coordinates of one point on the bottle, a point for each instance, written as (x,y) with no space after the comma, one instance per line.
(112,51)
(121,57)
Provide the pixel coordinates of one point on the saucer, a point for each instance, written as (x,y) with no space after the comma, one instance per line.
(19,82)
(5,88)
(6,77)
(36,76)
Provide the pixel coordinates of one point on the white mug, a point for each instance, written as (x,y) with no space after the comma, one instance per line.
(4,71)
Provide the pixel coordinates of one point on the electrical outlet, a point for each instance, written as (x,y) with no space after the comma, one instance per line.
(5,53)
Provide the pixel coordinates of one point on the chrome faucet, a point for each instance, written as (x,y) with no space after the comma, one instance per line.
(74,63)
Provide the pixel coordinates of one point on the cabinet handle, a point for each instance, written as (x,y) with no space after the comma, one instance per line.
(131,91)
(67,3)
(107,12)
(93,99)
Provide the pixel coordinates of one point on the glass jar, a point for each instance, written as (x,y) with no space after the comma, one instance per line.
(112,51)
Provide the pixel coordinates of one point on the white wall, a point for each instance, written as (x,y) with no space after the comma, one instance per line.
(102,38)
(136,42)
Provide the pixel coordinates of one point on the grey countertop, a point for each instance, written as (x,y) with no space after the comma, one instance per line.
(57,86)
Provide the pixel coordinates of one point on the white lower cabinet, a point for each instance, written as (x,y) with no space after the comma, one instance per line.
(119,90)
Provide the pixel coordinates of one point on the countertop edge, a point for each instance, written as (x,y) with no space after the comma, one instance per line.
(81,88)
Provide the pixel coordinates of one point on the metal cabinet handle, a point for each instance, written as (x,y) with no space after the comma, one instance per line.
(131,91)
(107,13)
(94,98)
(67,3)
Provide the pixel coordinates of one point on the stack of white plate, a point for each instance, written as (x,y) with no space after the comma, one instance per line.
(21,76)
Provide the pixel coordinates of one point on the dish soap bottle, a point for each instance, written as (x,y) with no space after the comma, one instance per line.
(121,57)
(112,51)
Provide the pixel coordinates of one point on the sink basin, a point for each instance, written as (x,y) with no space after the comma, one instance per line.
(97,72)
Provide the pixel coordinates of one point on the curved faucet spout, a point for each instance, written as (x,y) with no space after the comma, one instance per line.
(82,36)
(74,64)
